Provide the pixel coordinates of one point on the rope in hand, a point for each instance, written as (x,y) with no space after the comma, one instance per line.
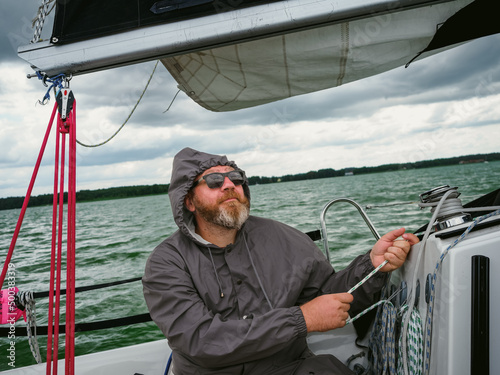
(367,277)
(350,320)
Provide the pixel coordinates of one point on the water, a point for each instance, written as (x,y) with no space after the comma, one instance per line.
(114,239)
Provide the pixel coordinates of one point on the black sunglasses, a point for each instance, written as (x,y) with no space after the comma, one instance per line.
(216,180)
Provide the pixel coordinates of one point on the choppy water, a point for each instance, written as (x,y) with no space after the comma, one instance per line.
(114,239)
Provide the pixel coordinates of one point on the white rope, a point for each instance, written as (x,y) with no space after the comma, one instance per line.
(350,320)
(415,343)
(38,22)
(367,277)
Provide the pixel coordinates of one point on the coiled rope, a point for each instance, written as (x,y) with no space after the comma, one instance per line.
(415,343)
(382,343)
(26,299)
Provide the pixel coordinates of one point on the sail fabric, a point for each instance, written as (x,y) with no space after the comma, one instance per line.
(253,73)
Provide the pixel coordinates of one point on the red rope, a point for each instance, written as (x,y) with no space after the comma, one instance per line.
(63,128)
(59,247)
(70,278)
(26,200)
(53,257)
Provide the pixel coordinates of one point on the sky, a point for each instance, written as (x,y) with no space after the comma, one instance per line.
(443,106)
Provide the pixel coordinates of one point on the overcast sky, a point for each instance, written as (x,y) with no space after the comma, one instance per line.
(443,106)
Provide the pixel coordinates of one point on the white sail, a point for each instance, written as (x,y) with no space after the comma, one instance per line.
(261,71)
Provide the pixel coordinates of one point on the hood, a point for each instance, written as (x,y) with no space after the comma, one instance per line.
(187,165)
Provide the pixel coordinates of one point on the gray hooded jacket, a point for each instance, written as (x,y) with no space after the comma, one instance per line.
(235,310)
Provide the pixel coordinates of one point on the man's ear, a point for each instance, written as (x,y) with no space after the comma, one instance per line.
(188,201)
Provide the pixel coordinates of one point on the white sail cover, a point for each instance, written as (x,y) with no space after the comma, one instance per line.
(261,71)
(227,55)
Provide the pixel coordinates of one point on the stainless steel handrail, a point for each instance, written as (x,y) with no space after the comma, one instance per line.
(361,212)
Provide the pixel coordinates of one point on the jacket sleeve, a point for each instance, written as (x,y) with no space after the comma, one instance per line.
(208,340)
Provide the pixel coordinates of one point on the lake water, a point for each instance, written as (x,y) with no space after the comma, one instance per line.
(114,239)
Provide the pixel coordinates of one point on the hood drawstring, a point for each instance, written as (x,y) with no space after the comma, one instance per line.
(256,274)
(216,274)
(253,267)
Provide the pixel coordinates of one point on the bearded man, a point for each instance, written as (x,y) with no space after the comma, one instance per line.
(237,294)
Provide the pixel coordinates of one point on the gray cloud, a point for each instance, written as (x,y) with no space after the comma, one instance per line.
(15,28)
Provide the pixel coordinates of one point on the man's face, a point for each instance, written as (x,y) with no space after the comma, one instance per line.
(226,206)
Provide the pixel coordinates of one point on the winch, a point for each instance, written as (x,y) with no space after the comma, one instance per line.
(451,212)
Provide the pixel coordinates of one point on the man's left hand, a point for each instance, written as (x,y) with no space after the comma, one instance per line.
(393,249)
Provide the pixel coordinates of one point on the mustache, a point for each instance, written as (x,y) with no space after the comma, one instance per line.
(232,194)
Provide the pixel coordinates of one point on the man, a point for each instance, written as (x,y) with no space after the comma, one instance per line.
(237,294)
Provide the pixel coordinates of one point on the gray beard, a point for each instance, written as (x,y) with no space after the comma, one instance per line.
(230,216)
(232,219)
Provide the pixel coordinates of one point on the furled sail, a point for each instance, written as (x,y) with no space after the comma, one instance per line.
(232,54)
(257,72)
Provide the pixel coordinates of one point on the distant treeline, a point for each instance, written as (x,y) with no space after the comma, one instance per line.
(323,173)
(142,190)
(87,195)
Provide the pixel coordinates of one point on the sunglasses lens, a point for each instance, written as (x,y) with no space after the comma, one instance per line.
(216,180)
(236,177)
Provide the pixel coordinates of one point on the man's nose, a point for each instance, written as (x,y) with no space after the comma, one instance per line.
(228,184)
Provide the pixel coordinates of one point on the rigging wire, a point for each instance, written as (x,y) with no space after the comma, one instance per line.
(371,206)
(129,116)
(172,102)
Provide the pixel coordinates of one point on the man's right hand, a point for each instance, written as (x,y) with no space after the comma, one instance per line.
(327,312)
